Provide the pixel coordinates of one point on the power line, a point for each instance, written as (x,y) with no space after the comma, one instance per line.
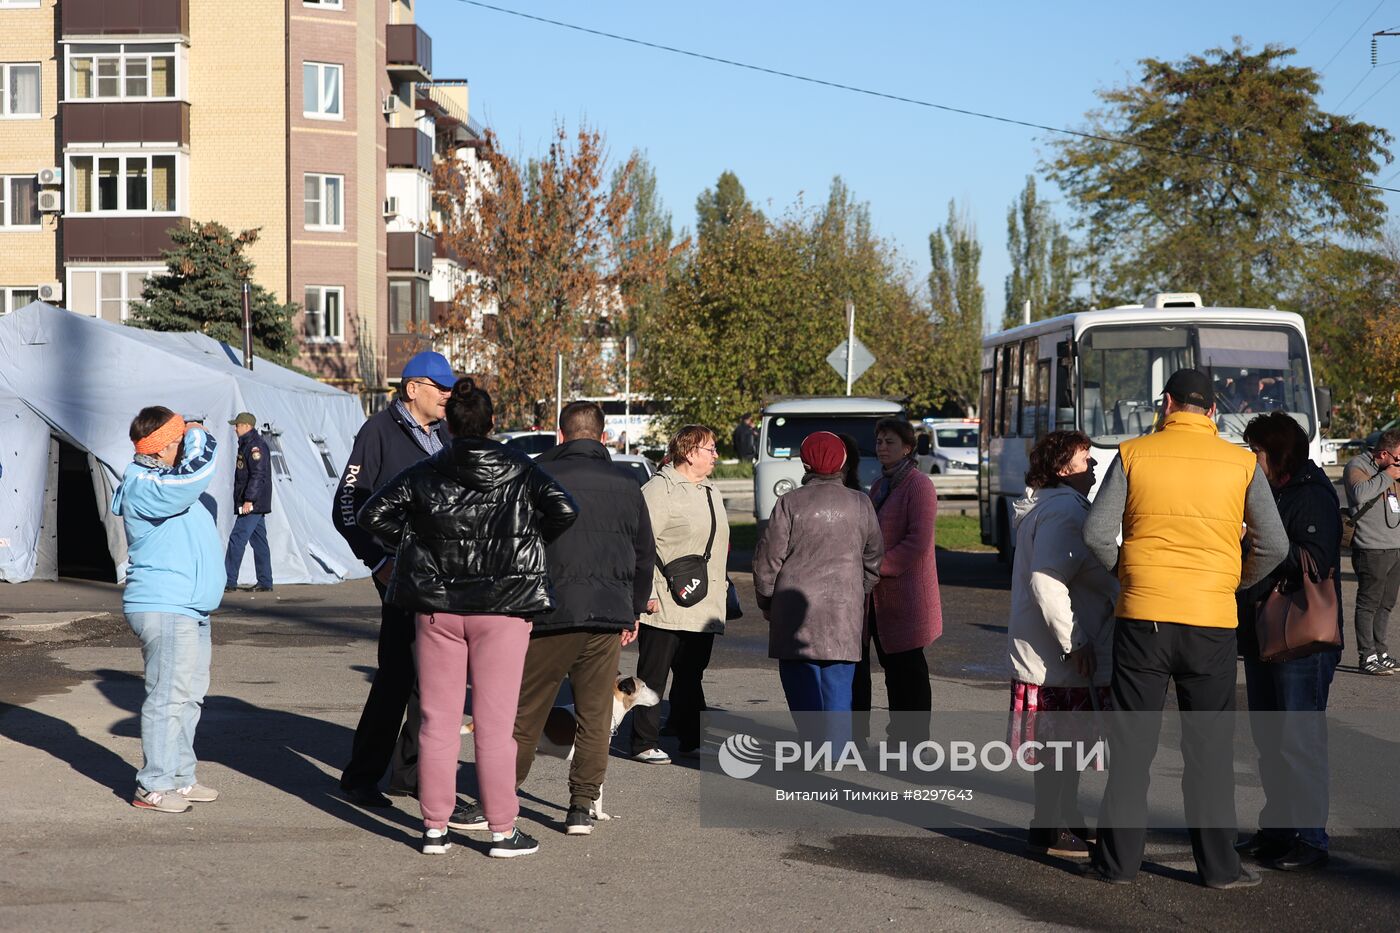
(1168,150)
(1373,94)
(1352,36)
(1358,84)
(1324,19)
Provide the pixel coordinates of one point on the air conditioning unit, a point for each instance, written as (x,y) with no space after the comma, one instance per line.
(50,202)
(392,104)
(50,177)
(51,292)
(391,207)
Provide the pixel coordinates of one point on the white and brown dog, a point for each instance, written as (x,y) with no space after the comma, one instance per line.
(561,726)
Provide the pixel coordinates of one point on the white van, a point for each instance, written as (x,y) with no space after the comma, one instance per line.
(787,423)
(953,455)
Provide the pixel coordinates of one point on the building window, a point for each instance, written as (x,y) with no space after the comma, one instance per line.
(324,4)
(19,91)
(320,90)
(19,4)
(12,299)
(19,201)
(325,202)
(121,72)
(409,306)
(107,293)
(325,314)
(132,184)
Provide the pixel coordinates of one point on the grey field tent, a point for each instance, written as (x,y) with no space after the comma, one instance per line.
(69,387)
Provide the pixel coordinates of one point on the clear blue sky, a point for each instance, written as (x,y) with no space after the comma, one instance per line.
(1039,62)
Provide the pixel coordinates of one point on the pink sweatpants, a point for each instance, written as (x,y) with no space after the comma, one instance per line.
(490,650)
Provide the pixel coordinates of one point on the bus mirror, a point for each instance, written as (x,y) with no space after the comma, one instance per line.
(924,445)
(1324,407)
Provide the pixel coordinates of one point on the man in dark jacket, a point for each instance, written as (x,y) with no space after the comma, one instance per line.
(392,440)
(252,500)
(746,439)
(600,570)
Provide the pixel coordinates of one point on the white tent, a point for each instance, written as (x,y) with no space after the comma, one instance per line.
(72,382)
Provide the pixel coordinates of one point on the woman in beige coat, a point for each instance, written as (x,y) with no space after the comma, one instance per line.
(675,640)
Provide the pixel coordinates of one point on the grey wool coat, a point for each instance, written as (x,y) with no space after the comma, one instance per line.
(818,558)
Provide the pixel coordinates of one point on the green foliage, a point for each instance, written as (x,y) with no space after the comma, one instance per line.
(1042,269)
(202,290)
(753,309)
(1224,223)
(955,292)
(959,533)
(741,470)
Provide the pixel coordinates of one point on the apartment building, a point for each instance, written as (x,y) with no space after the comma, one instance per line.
(312,120)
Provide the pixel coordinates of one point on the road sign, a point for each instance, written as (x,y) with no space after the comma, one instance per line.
(861,360)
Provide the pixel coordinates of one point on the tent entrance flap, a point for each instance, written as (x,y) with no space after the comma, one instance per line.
(82,538)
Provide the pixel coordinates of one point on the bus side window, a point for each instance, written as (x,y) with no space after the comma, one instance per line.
(994,411)
(1064,387)
(1030,399)
(1042,396)
(988,411)
(1010,389)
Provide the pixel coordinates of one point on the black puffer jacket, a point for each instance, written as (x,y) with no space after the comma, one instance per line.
(1309,508)
(601,567)
(468,526)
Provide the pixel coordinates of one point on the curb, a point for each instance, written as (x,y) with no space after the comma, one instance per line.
(20,623)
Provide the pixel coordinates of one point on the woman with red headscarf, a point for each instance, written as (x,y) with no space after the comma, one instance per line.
(817,561)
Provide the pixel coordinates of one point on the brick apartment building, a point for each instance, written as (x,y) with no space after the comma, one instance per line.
(317,121)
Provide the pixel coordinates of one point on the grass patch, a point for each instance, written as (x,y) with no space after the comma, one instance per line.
(741,470)
(955,533)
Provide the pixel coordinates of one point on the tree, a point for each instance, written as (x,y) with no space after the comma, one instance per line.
(202,290)
(1229,174)
(720,207)
(647,233)
(548,247)
(958,302)
(1041,260)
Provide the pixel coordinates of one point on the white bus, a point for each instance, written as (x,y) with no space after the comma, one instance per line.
(1102,372)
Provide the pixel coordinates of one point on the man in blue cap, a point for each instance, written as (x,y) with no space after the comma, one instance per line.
(252,501)
(411,428)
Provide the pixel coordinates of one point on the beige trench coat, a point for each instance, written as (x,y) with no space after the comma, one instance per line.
(680,522)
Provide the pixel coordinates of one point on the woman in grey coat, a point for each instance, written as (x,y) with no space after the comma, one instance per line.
(818,559)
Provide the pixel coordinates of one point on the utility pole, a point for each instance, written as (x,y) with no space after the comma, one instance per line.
(558,389)
(629,350)
(850,344)
(247,326)
(1026,312)
(1374,37)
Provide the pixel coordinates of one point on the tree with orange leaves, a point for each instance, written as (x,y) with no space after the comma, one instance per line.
(546,244)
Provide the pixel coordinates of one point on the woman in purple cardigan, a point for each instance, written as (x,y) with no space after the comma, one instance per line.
(905,614)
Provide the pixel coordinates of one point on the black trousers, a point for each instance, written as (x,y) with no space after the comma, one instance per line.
(1201,662)
(683,656)
(382,737)
(1377,586)
(906,685)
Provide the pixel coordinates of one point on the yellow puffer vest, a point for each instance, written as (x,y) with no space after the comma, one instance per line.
(1182,524)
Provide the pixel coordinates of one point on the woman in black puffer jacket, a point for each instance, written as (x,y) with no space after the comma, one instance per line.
(469,525)
(1293,748)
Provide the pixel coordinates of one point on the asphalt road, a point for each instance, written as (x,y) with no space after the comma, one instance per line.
(280,850)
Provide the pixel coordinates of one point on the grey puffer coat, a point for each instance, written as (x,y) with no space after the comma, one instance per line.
(818,558)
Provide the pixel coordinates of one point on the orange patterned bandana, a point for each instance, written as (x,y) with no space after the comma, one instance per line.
(161,437)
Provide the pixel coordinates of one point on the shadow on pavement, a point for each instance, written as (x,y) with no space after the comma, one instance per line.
(272,746)
(53,736)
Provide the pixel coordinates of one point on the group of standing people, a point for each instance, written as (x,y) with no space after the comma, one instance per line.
(1101,625)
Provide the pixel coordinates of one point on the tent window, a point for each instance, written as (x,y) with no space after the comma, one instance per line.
(274,446)
(320,444)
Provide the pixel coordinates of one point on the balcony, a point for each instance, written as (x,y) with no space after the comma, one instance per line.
(409,148)
(117,239)
(411,252)
(166,121)
(125,17)
(408,52)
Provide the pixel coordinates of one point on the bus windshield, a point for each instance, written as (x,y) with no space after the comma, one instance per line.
(1123,369)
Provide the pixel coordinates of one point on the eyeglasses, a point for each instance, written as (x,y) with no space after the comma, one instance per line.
(430,384)
(711,450)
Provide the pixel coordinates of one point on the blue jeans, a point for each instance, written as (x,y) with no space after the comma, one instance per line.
(820,686)
(250,527)
(175,650)
(1292,751)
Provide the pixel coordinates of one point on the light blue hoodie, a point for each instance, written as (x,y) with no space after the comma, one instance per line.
(175,556)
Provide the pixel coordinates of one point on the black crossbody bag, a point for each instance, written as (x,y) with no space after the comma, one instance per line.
(688,577)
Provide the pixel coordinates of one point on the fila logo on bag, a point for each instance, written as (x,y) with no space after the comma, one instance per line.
(690,587)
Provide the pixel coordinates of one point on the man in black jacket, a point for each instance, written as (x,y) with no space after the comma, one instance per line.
(601,573)
(392,440)
(252,501)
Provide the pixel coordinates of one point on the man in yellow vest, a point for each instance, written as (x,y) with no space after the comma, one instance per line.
(1182,497)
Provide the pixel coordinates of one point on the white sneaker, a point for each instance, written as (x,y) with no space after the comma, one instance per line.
(198,793)
(652,756)
(161,801)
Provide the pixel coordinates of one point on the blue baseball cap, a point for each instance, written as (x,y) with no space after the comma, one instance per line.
(432,366)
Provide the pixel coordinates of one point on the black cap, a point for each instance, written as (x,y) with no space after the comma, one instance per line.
(1191,387)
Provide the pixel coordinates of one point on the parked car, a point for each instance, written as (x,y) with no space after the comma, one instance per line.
(952,455)
(637,466)
(533,443)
